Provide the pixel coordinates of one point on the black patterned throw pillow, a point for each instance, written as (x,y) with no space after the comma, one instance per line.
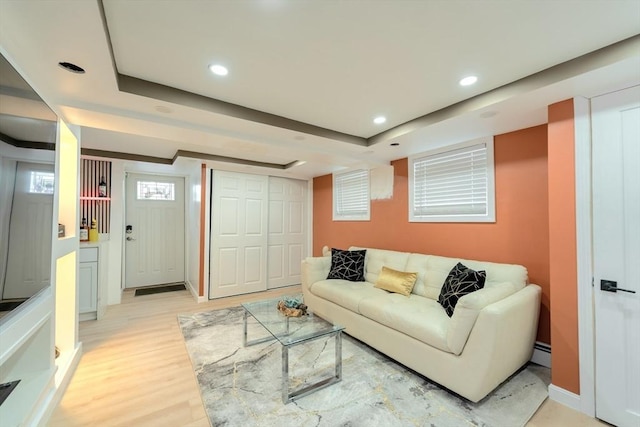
(461,281)
(347,265)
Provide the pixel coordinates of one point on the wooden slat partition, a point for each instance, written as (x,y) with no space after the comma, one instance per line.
(91,171)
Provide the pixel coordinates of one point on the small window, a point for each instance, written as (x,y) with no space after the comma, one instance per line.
(351,195)
(454,184)
(151,190)
(41,182)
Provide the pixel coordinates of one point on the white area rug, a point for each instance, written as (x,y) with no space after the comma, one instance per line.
(241,386)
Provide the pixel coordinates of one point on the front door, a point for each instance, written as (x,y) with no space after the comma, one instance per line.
(238,234)
(616,243)
(154,234)
(30,227)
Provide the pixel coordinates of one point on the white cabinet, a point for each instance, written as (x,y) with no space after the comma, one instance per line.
(88,283)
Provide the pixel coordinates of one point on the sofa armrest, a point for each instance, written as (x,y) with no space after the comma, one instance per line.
(467,310)
(501,341)
(314,269)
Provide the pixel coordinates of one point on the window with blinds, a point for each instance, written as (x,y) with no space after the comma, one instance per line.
(455,184)
(351,195)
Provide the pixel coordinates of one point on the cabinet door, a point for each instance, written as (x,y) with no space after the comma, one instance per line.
(88,287)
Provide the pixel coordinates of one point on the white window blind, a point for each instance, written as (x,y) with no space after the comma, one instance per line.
(454,185)
(351,195)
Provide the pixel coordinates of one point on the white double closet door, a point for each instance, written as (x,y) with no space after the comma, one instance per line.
(258,233)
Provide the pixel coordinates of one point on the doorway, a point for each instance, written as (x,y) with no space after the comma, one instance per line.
(154,231)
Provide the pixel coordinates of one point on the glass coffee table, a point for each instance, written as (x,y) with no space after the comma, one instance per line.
(290,332)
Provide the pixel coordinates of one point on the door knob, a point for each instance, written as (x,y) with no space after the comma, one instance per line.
(611,286)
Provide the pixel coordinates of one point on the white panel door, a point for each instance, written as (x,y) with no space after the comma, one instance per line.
(287,231)
(238,234)
(30,231)
(154,235)
(616,244)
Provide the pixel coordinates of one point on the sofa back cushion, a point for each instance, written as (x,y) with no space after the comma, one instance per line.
(433,270)
(375,259)
(418,263)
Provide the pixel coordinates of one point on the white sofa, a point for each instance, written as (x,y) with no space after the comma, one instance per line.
(490,335)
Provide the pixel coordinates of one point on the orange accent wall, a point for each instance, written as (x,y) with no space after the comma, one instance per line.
(563,275)
(520,234)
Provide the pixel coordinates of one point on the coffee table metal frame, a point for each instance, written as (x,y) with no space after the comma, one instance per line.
(291,332)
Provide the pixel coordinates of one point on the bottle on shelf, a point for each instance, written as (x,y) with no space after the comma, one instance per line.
(93,231)
(84,231)
(102,187)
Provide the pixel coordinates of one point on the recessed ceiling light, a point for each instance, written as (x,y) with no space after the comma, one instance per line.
(71,67)
(394,144)
(219,70)
(379,120)
(469,80)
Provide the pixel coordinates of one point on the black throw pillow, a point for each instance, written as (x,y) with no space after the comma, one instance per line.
(461,281)
(347,265)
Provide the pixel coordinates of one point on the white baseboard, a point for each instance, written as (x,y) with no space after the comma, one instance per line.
(194,293)
(66,372)
(542,354)
(565,397)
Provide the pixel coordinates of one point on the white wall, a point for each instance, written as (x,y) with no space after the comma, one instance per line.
(192,237)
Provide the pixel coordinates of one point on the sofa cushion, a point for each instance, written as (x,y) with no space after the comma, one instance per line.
(418,263)
(347,265)
(345,293)
(378,258)
(416,316)
(460,281)
(396,281)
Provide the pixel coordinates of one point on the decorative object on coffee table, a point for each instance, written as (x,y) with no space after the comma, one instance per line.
(292,307)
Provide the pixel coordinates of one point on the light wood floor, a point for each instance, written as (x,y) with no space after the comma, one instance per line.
(135,370)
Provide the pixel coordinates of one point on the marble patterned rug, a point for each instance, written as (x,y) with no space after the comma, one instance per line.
(241,386)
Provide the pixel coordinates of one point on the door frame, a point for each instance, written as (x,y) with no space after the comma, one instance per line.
(584,251)
(123,276)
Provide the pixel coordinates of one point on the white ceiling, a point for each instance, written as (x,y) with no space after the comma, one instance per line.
(332,65)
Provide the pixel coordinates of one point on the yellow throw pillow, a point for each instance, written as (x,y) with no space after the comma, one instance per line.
(396,281)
